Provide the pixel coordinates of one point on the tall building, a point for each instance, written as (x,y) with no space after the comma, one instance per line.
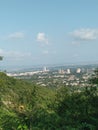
(61,71)
(44,69)
(68,71)
(78,70)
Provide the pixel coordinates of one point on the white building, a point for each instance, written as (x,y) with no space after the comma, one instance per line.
(61,71)
(68,71)
(45,69)
(78,70)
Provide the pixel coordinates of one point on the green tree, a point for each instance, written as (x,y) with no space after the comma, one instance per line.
(1,57)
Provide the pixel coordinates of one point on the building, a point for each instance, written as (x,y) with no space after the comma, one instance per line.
(68,71)
(78,70)
(45,69)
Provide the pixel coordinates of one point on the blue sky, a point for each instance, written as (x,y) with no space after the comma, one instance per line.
(34,32)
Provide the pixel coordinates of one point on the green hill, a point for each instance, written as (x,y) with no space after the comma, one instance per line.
(19,99)
(27,106)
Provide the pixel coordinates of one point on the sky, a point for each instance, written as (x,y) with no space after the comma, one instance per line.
(34,32)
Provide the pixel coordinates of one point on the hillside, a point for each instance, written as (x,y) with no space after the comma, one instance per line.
(20,97)
(27,106)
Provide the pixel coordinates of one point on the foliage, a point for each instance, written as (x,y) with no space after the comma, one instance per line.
(1,57)
(27,106)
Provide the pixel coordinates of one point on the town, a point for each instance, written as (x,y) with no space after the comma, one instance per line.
(56,76)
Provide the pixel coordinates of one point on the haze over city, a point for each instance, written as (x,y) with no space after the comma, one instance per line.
(34,32)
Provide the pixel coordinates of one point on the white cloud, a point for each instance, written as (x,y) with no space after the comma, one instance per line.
(85,34)
(14,54)
(41,37)
(16,35)
(45,52)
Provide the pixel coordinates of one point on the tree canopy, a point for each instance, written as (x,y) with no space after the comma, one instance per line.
(27,106)
(1,57)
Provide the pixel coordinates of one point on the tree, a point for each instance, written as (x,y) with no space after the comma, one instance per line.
(94,79)
(1,57)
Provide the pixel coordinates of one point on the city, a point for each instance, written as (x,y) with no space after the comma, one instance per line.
(48,64)
(77,75)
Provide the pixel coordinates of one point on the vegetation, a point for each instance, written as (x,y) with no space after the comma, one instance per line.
(1,57)
(27,106)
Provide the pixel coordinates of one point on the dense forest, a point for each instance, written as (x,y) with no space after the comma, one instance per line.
(27,106)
